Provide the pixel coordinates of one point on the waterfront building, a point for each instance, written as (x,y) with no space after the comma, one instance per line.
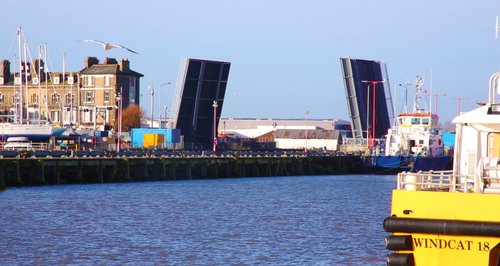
(86,99)
(100,84)
(287,133)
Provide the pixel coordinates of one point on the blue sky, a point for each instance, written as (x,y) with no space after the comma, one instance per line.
(284,54)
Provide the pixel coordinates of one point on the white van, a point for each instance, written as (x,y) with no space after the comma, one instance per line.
(18,143)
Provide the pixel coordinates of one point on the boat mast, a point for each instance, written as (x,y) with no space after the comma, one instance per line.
(430,94)
(26,81)
(63,96)
(418,98)
(39,82)
(46,84)
(20,95)
(14,101)
(71,98)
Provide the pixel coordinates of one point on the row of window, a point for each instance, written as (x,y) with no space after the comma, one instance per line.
(55,98)
(89,81)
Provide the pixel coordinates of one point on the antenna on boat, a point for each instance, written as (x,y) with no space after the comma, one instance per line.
(496,29)
(419,83)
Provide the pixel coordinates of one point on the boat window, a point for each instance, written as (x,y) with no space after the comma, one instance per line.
(425,121)
(401,121)
(415,121)
(421,142)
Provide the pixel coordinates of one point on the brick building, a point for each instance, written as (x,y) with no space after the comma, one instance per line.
(87,98)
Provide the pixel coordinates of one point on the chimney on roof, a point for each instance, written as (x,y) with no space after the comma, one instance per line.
(110,61)
(124,65)
(5,70)
(90,61)
(35,64)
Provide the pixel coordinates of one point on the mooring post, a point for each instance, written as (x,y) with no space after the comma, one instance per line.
(145,168)
(18,172)
(163,169)
(100,172)
(187,162)
(58,174)
(127,168)
(41,165)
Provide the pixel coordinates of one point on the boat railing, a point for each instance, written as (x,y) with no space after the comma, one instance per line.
(31,146)
(489,173)
(435,181)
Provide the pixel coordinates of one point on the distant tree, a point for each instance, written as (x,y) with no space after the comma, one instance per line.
(132,117)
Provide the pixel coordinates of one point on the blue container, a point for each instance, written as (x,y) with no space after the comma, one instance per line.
(449,139)
(137,135)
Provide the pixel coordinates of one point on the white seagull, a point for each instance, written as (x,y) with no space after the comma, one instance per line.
(109,46)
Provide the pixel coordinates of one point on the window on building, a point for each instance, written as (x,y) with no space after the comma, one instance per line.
(34,98)
(131,95)
(54,116)
(89,97)
(15,98)
(106,96)
(106,80)
(87,115)
(55,98)
(69,98)
(2,98)
(88,81)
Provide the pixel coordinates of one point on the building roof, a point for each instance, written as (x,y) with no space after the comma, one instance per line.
(301,134)
(253,123)
(110,69)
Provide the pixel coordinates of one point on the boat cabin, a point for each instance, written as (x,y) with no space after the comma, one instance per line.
(417,134)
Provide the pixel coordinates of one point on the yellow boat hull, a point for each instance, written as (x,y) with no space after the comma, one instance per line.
(443,228)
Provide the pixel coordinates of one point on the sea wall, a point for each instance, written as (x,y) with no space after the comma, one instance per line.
(54,171)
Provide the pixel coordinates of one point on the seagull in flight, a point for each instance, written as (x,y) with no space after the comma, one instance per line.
(109,46)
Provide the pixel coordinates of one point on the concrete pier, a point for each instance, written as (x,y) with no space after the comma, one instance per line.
(54,171)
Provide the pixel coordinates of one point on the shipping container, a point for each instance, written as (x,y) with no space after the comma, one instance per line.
(171,136)
(153,140)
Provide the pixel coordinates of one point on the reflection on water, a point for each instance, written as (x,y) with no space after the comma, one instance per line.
(313,220)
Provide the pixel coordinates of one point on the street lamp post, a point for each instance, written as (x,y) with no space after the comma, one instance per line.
(215,105)
(371,133)
(405,109)
(152,92)
(307,114)
(274,132)
(166,120)
(119,102)
(160,98)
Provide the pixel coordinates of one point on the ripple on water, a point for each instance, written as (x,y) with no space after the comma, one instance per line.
(315,220)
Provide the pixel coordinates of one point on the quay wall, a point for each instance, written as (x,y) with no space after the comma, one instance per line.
(16,172)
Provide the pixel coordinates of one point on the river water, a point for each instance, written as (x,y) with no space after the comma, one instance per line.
(306,220)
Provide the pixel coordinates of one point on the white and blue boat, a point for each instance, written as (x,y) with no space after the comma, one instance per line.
(415,144)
